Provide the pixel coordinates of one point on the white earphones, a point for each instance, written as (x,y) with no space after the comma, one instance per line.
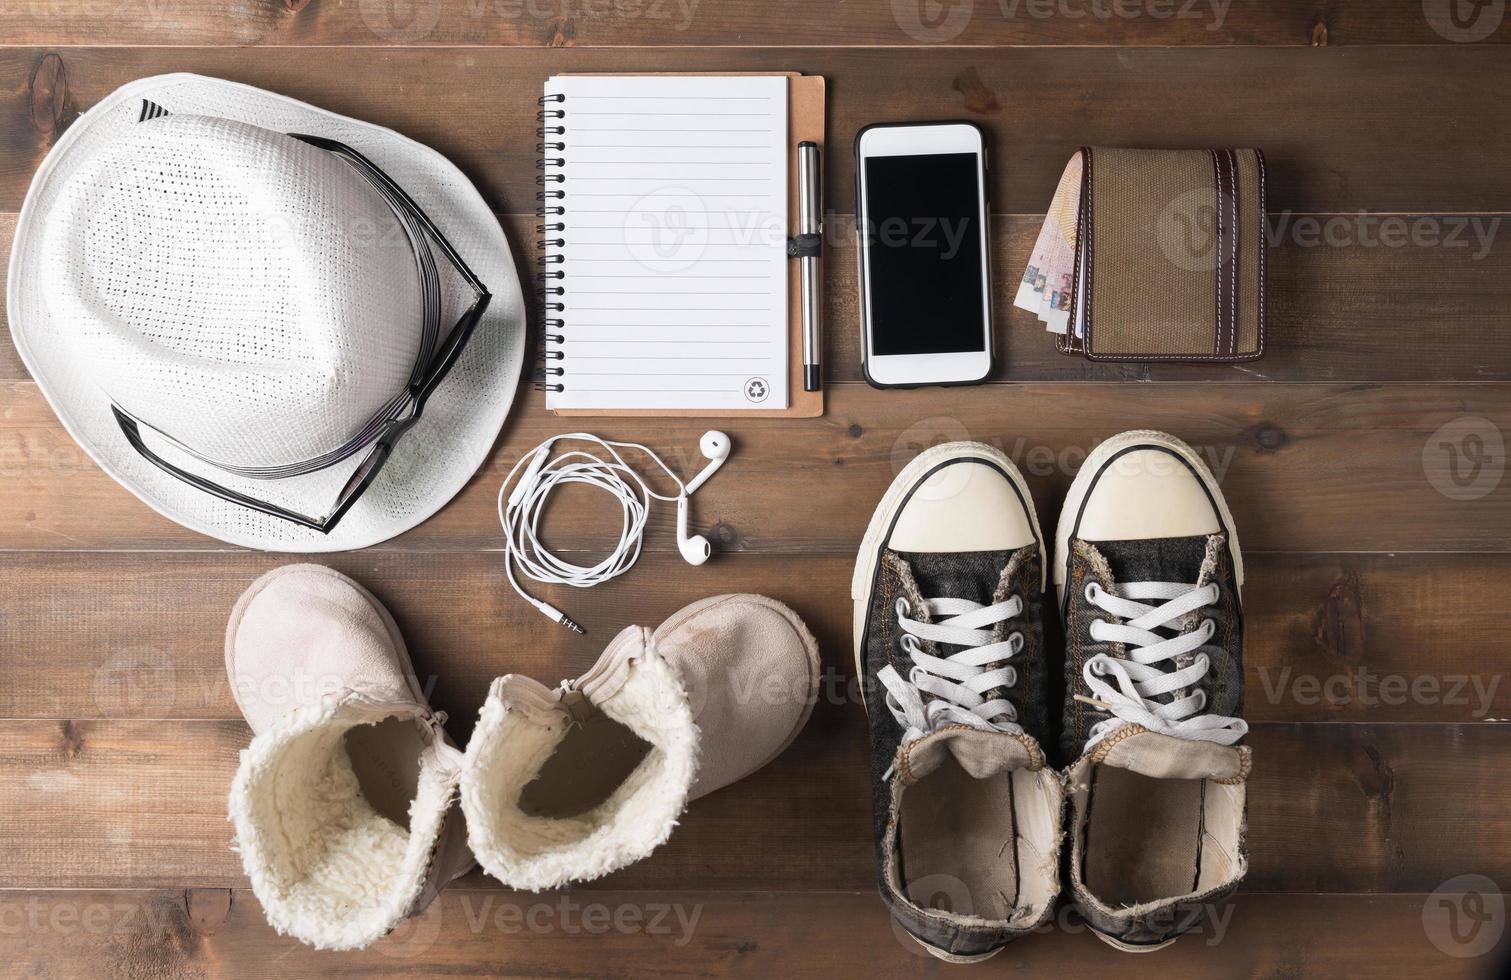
(519,512)
(696,549)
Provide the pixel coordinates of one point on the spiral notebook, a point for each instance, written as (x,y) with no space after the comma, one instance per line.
(666,206)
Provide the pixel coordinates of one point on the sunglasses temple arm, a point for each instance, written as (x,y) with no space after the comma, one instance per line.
(133,436)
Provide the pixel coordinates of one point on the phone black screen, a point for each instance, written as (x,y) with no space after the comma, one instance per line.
(924,244)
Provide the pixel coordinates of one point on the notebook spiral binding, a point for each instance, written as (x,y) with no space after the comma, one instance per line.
(550,213)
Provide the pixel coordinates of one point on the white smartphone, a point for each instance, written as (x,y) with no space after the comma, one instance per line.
(922,220)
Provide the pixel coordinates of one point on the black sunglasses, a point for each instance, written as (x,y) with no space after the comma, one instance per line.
(427,375)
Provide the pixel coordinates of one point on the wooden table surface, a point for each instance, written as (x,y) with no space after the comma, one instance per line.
(1380,563)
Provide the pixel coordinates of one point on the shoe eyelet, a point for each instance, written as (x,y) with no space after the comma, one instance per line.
(1091,591)
(902,607)
(1216,592)
(909,644)
(1203,705)
(1209,627)
(1016,642)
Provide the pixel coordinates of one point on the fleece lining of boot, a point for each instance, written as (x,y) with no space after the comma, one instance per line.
(512,743)
(328,869)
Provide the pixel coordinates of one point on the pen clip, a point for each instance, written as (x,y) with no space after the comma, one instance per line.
(805,246)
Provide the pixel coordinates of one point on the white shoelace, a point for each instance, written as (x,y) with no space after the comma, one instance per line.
(960,682)
(1146,675)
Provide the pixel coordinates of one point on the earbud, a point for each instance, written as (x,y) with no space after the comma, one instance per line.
(695,548)
(715,446)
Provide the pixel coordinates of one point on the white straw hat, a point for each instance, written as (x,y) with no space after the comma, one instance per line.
(216,280)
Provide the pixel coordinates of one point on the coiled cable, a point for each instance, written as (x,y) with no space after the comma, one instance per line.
(519,514)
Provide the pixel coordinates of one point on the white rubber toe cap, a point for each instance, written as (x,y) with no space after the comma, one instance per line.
(963,506)
(1143,494)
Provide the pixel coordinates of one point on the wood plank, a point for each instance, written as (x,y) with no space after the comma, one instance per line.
(1354,808)
(676,933)
(1329,638)
(582,23)
(1351,312)
(1288,458)
(1325,117)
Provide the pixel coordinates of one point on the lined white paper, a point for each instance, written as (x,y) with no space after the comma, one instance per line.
(673,253)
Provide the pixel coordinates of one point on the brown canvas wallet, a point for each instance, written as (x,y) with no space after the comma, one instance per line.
(1172,243)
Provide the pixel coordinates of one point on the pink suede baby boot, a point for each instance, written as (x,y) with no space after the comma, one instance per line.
(342,803)
(572,783)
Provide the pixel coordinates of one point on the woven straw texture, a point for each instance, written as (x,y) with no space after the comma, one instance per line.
(254,298)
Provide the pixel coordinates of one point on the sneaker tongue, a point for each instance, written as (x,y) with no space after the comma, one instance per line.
(1155,559)
(969,575)
(979,752)
(972,575)
(1162,756)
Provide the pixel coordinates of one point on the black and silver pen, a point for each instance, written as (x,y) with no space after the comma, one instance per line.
(809,211)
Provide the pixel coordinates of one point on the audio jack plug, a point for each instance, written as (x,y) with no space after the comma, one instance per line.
(556,615)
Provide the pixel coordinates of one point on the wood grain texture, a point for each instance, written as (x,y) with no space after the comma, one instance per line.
(1329,638)
(653,23)
(1305,467)
(1325,118)
(1358,310)
(1347,808)
(221,935)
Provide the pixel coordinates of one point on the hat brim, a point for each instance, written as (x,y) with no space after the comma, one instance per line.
(433,460)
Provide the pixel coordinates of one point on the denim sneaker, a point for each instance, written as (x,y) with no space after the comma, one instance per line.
(1148,576)
(949,645)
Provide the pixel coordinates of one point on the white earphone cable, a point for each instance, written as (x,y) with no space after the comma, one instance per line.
(519,514)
